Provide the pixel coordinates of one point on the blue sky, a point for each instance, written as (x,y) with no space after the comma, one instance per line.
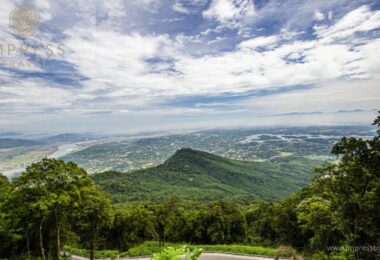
(133,65)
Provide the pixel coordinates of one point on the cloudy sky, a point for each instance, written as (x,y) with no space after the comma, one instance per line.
(132,65)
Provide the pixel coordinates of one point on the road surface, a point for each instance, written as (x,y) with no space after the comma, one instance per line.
(204,256)
(218,256)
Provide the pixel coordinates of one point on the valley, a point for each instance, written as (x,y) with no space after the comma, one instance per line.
(262,144)
(124,153)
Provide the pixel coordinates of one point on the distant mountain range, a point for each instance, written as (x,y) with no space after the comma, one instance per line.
(8,142)
(11,143)
(202,176)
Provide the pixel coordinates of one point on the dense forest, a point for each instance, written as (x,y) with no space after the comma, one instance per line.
(200,176)
(54,203)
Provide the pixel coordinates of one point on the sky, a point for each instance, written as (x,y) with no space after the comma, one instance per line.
(147,65)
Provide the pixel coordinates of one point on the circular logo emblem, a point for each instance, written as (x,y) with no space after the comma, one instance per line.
(24,20)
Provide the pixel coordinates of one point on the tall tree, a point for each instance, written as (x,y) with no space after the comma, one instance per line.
(353,185)
(131,226)
(50,189)
(165,218)
(94,214)
(8,234)
(316,215)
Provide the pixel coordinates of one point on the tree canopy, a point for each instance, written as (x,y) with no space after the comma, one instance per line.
(54,203)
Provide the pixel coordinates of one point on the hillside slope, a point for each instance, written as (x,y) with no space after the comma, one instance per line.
(203,176)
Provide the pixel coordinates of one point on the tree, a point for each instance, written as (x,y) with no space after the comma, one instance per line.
(8,234)
(236,228)
(49,190)
(260,218)
(215,225)
(316,215)
(165,218)
(132,225)
(94,214)
(284,222)
(353,186)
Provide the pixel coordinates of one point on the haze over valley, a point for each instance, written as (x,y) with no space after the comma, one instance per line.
(96,153)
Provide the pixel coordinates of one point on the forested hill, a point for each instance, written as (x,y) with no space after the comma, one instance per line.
(202,176)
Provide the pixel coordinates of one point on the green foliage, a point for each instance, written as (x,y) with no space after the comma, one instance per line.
(171,253)
(277,223)
(315,214)
(172,220)
(132,225)
(149,248)
(8,232)
(54,203)
(95,214)
(43,202)
(274,144)
(97,254)
(353,187)
(241,249)
(202,176)
(332,256)
(192,254)
(286,251)
(48,191)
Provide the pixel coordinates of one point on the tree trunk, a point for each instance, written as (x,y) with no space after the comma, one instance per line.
(92,249)
(356,253)
(92,246)
(50,249)
(58,236)
(27,242)
(120,243)
(42,249)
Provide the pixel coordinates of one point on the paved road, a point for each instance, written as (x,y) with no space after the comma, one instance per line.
(214,256)
(205,256)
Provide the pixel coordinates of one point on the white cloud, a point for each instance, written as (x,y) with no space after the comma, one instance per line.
(148,5)
(132,73)
(267,42)
(319,16)
(361,19)
(115,9)
(132,69)
(44,8)
(327,97)
(179,8)
(229,12)
(33,96)
(6,8)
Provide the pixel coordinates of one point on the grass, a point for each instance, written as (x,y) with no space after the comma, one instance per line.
(150,247)
(241,249)
(86,253)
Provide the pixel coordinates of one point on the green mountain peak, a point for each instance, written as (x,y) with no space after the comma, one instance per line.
(199,175)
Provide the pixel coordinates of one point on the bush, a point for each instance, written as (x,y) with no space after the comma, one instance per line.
(86,253)
(333,256)
(149,248)
(171,253)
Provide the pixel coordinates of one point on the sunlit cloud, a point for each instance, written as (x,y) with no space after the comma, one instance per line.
(124,60)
